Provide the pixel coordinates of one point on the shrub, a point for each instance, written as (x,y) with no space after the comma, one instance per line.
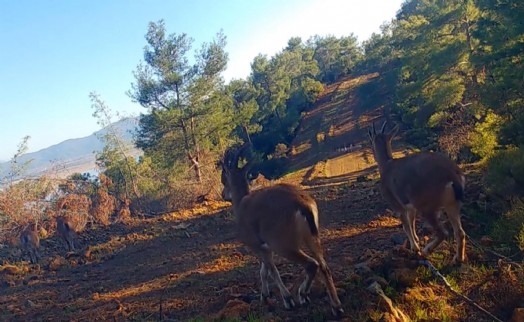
(505,175)
(103,206)
(272,168)
(76,207)
(509,229)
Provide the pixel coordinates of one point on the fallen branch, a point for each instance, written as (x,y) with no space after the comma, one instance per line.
(448,286)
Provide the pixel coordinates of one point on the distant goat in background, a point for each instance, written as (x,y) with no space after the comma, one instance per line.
(31,242)
(67,231)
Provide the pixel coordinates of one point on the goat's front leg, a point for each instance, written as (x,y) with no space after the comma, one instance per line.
(412,216)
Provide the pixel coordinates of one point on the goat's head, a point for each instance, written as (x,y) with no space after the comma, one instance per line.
(234,177)
(381,141)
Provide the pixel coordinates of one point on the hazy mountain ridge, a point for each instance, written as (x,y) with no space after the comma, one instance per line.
(74,155)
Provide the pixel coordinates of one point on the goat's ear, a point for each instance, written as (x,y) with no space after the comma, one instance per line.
(391,133)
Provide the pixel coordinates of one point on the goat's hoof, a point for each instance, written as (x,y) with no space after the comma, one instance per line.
(424,253)
(337,312)
(289,303)
(304,299)
(457,261)
(264,298)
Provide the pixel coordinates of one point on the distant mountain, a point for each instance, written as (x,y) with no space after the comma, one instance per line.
(74,155)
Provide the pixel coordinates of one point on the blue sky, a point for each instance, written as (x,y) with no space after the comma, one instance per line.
(54,53)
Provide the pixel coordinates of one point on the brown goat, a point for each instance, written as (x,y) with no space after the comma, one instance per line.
(67,231)
(278,219)
(31,242)
(423,183)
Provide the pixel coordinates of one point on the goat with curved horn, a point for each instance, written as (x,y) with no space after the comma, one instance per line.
(280,219)
(423,183)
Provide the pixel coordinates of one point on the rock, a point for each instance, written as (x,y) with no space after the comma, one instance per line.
(57,263)
(7,283)
(87,253)
(29,304)
(518,315)
(404,276)
(378,279)
(362,268)
(394,314)
(234,309)
(398,239)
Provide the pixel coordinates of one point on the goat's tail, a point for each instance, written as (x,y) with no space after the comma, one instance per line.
(310,212)
(458,188)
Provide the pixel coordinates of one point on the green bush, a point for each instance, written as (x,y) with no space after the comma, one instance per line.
(505,175)
(273,168)
(509,229)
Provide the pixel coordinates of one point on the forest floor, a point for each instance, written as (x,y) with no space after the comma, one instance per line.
(189,266)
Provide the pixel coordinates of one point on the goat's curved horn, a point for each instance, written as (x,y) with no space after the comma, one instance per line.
(383,127)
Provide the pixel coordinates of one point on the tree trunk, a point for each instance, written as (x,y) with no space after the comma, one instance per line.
(195,164)
(194,159)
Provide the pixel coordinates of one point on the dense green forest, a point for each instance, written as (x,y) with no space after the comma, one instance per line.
(451,74)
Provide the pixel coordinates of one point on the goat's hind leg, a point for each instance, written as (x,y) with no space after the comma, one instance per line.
(266,256)
(264,274)
(408,217)
(460,236)
(316,247)
(440,234)
(310,266)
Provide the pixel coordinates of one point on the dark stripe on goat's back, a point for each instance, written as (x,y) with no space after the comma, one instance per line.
(310,218)
(458,190)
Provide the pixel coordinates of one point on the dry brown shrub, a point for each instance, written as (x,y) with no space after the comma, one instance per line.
(456,133)
(21,203)
(76,207)
(182,191)
(260,182)
(103,207)
(124,214)
(105,181)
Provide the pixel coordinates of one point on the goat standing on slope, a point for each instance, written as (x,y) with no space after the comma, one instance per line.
(277,219)
(425,183)
(31,242)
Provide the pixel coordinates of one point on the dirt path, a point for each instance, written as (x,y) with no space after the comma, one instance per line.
(155,270)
